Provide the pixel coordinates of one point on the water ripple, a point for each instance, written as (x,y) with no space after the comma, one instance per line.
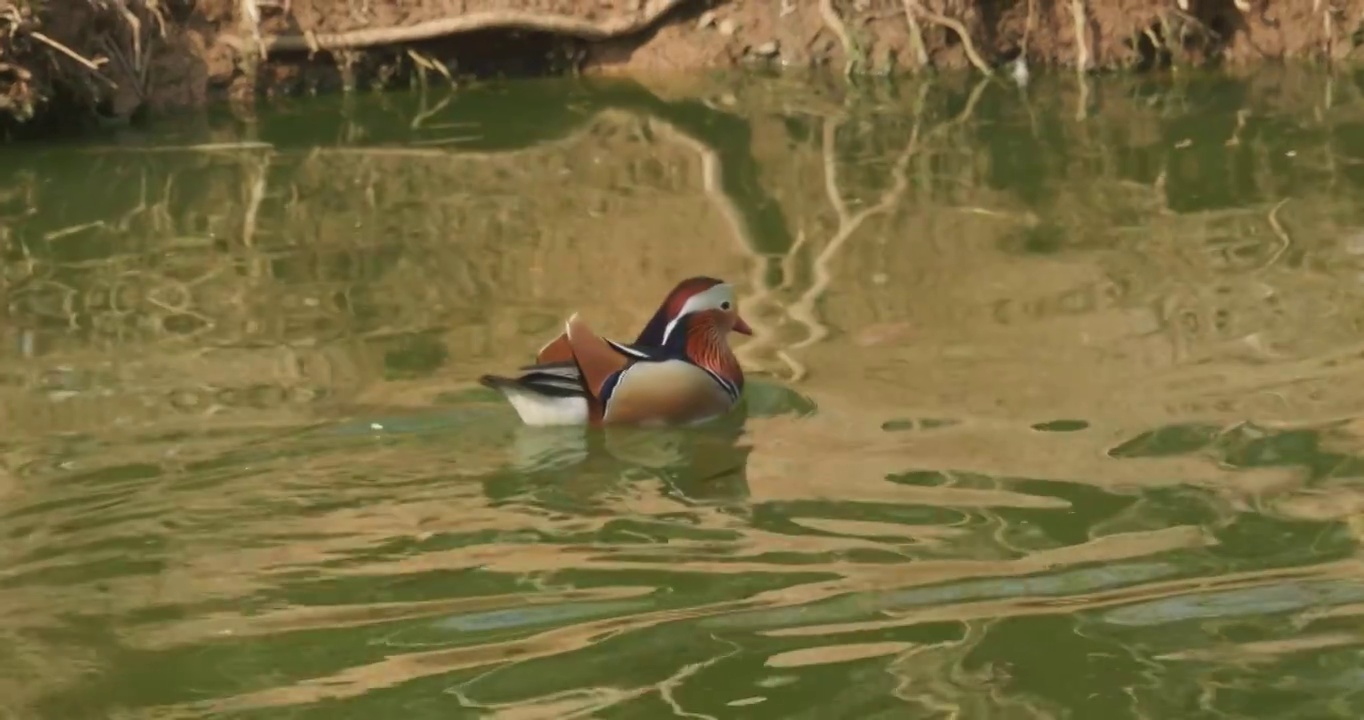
(1044,417)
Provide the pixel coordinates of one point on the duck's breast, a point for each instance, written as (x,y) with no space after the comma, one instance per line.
(671,392)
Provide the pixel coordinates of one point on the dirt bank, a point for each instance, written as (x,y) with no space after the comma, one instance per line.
(80,60)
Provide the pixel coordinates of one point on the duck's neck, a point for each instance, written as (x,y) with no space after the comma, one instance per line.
(652,334)
(707,346)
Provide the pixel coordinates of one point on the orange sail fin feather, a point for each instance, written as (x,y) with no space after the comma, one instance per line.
(597,361)
(556,350)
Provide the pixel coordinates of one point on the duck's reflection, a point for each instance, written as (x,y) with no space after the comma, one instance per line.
(706,462)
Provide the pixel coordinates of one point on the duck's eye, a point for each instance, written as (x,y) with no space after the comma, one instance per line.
(724,305)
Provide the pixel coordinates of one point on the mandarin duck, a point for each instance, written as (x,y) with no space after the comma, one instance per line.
(680,370)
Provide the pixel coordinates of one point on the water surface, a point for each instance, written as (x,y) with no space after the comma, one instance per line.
(1055,406)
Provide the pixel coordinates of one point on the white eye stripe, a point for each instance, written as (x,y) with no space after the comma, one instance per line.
(719,297)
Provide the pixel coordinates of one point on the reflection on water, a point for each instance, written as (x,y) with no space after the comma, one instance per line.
(1055,407)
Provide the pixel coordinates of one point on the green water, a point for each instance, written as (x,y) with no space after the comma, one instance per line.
(1055,406)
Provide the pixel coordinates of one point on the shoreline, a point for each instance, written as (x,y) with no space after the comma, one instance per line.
(73,63)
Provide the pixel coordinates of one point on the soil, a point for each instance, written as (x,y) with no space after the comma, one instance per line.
(84,60)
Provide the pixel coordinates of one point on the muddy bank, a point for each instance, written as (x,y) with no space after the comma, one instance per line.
(79,61)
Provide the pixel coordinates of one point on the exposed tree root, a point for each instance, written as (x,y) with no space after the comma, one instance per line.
(500,19)
(913,11)
(851,52)
(249,20)
(1077,9)
(94,56)
(916,34)
(914,7)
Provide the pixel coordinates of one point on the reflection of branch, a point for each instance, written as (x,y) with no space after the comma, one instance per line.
(711,177)
(425,63)
(763,332)
(71,230)
(788,261)
(672,682)
(1082,102)
(425,114)
(573,703)
(201,147)
(803,309)
(1285,241)
(828,144)
(254,198)
(711,182)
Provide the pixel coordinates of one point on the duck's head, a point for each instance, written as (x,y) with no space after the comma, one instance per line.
(704,299)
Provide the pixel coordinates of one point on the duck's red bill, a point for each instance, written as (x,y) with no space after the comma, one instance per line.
(742,327)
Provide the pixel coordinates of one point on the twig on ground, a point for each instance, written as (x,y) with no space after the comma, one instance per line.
(92,65)
(425,63)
